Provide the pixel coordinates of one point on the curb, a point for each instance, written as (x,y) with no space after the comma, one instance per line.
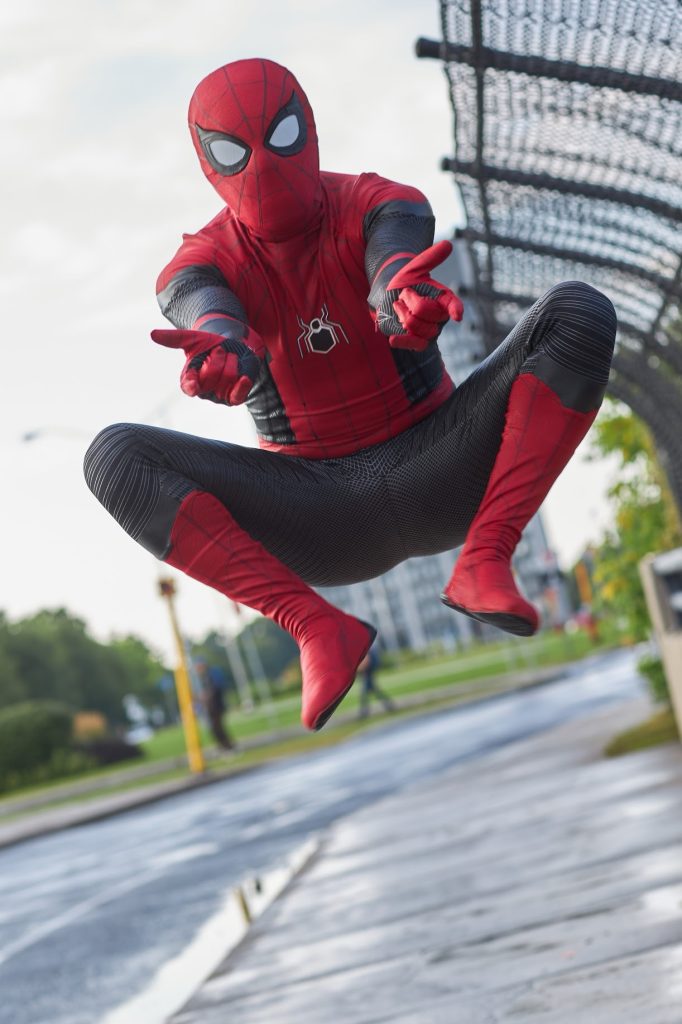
(179,980)
(63,818)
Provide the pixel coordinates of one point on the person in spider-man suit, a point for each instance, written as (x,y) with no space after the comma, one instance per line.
(310,297)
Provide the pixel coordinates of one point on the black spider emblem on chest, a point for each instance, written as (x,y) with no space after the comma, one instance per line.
(321,335)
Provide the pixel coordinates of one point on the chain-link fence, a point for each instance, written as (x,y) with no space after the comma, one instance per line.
(568,157)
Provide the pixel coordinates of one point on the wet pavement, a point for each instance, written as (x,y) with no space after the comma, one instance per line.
(537,883)
(92,917)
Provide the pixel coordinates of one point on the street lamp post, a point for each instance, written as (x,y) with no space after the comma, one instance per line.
(195,754)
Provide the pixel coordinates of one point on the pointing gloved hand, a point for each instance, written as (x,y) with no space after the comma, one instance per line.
(217,368)
(415,307)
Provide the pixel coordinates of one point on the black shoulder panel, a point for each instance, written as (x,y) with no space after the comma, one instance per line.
(397,226)
(393,208)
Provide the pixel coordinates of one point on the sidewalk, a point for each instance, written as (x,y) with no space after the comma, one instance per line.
(35,816)
(539,884)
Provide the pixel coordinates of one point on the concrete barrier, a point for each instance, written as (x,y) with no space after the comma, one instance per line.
(662,581)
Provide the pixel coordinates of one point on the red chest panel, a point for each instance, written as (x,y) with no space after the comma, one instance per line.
(333,384)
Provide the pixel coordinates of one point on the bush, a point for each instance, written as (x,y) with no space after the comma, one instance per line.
(103,750)
(31,734)
(654,673)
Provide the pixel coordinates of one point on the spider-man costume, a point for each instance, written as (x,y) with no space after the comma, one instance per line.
(310,298)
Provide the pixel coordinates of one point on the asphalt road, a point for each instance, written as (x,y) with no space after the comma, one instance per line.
(90,915)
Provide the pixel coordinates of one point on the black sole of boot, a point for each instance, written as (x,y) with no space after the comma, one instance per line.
(509,623)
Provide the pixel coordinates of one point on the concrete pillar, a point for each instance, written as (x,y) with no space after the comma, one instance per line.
(384,617)
(662,581)
(411,611)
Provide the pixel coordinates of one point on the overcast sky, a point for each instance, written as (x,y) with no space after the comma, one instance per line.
(99,180)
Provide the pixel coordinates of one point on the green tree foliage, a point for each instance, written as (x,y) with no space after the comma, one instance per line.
(136,663)
(653,671)
(12,689)
(276,649)
(51,656)
(645,518)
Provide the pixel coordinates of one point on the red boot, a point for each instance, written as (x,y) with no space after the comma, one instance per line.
(540,435)
(208,545)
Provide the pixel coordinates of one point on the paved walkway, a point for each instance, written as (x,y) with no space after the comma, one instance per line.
(539,884)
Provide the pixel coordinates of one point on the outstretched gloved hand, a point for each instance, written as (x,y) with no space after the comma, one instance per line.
(416,308)
(217,368)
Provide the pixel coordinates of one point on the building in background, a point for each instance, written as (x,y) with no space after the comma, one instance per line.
(403,603)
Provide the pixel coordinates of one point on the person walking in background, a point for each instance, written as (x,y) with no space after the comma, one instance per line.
(213,697)
(367,668)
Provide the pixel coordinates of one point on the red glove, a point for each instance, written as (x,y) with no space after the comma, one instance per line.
(217,368)
(419,306)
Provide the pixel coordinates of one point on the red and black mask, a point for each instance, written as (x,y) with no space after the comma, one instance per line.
(254,131)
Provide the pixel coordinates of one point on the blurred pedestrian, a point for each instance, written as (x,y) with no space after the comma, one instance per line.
(367,669)
(213,686)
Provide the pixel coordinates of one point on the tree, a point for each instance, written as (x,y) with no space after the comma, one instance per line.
(51,656)
(276,649)
(139,666)
(645,518)
(12,689)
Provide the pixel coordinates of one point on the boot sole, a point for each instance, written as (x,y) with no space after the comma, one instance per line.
(509,623)
(325,715)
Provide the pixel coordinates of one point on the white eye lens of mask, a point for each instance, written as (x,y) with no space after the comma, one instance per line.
(286,132)
(225,152)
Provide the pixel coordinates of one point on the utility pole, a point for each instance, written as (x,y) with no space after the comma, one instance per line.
(584,583)
(229,644)
(258,677)
(195,754)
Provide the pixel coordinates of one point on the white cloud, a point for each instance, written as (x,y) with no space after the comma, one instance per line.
(24,91)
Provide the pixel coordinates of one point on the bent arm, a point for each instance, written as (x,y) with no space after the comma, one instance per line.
(198,297)
(224,357)
(394,232)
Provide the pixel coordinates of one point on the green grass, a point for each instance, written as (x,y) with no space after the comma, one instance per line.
(95,774)
(660,728)
(479,663)
(164,743)
(8,814)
